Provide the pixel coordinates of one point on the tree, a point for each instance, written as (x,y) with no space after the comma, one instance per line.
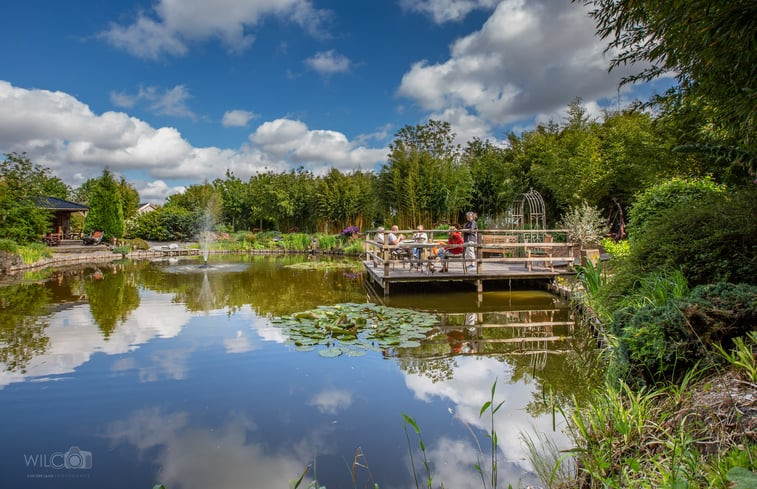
(424,180)
(21,181)
(709,44)
(129,198)
(497,179)
(105,207)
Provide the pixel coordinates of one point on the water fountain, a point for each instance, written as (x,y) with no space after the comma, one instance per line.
(206,234)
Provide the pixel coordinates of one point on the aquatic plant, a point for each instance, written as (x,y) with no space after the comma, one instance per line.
(353,329)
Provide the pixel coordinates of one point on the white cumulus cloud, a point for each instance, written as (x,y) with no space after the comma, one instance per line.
(328,62)
(60,132)
(172,25)
(529,57)
(442,11)
(237,118)
(172,101)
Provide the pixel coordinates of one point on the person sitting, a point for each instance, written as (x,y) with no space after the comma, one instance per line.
(379,238)
(393,239)
(454,247)
(419,237)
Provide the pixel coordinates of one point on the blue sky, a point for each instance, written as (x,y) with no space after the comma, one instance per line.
(173,92)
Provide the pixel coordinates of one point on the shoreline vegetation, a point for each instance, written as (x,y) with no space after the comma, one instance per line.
(18,258)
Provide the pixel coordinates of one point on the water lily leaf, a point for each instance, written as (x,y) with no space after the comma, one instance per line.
(330,352)
(305,348)
(409,344)
(356,353)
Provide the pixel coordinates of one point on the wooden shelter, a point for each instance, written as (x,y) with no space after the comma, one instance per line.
(62,210)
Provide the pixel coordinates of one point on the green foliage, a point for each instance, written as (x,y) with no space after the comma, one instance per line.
(594,161)
(593,279)
(657,289)
(585,224)
(354,247)
(709,238)
(347,199)
(355,328)
(616,249)
(8,245)
(742,355)
(672,193)
(295,241)
(129,198)
(33,252)
(122,250)
(106,211)
(423,181)
(326,241)
(660,342)
(137,244)
(21,181)
(496,178)
(709,45)
(167,224)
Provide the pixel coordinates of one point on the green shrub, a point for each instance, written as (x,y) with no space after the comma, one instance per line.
(136,244)
(711,239)
(166,224)
(584,223)
(9,246)
(616,249)
(659,343)
(123,250)
(672,193)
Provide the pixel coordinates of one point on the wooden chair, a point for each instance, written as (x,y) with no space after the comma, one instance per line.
(93,239)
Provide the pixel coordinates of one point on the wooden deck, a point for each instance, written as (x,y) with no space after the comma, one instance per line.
(520,259)
(488,271)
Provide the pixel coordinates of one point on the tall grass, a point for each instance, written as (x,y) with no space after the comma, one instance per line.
(742,355)
(657,288)
(326,242)
(295,241)
(33,253)
(593,279)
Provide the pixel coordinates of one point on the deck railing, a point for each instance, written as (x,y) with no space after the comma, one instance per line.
(529,248)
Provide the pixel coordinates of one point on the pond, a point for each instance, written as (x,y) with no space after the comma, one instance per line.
(130,374)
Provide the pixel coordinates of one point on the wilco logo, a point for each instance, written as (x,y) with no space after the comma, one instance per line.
(73,458)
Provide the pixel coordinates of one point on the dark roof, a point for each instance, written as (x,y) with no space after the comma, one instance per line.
(56,204)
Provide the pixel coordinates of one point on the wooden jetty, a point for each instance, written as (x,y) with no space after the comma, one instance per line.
(525,255)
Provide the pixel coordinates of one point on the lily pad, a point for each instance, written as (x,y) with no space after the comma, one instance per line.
(330,352)
(358,327)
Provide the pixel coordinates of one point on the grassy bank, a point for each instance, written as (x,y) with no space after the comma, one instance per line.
(679,406)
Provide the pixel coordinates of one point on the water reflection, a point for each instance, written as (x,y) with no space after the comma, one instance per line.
(227,456)
(203,389)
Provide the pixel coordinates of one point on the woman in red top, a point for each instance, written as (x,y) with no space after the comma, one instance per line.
(454,246)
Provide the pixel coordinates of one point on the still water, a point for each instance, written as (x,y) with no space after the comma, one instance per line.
(126,375)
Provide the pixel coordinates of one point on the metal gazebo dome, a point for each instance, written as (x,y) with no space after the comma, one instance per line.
(527,212)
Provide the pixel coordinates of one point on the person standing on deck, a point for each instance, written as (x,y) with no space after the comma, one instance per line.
(471,236)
